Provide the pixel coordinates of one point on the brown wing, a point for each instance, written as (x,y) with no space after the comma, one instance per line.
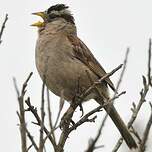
(82,53)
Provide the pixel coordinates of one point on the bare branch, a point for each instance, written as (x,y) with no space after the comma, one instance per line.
(34,112)
(142,99)
(83,95)
(110,74)
(123,71)
(142,146)
(92,145)
(21,112)
(60,109)
(25,83)
(41,141)
(132,130)
(16,87)
(117,87)
(149,63)
(98,109)
(3,27)
(29,147)
(32,140)
(50,116)
(135,110)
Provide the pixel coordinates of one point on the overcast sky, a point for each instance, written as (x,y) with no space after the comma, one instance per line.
(107,27)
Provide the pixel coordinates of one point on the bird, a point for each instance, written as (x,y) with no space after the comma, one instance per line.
(62,59)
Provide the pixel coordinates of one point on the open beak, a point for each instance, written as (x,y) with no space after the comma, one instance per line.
(41,14)
(39,23)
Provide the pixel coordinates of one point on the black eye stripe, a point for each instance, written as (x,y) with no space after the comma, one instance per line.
(51,16)
(67,17)
(57,7)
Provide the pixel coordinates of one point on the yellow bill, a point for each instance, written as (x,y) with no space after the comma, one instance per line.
(41,14)
(39,23)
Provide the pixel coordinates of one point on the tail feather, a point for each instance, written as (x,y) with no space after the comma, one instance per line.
(112,112)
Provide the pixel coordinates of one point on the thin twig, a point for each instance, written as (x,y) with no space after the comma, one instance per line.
(142,146)
(132,130)
(21,112)
(16,87)
(83,95)
(50,116)
(41,141)
(98,109)
(34,112)
(149,63)
(22,133)
(3,27)
(92,146)
(32,140)
(29,147)
(135,110)
(123,71)
(112,100)
(143,94)
(119,81)
(110,74)
(61,104)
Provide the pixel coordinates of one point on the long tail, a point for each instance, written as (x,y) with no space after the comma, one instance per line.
(112,112)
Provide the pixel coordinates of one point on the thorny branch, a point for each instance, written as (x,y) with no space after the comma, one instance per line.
(3,27)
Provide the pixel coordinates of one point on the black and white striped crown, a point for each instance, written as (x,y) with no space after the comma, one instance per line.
(59,11)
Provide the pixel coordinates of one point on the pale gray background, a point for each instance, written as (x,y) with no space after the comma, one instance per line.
(108,27)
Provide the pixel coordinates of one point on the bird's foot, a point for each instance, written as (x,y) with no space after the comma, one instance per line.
(66,121)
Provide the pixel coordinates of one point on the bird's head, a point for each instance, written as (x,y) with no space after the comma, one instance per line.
(53,13)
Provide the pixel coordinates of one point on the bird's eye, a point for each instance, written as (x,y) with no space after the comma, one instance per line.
(52,16)
(46,11)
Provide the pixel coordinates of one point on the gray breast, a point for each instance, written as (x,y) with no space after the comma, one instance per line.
(55,60)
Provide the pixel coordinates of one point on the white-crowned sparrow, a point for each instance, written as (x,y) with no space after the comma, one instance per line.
(63,59)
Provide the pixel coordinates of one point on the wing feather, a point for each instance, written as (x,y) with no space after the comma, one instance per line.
(82,53)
